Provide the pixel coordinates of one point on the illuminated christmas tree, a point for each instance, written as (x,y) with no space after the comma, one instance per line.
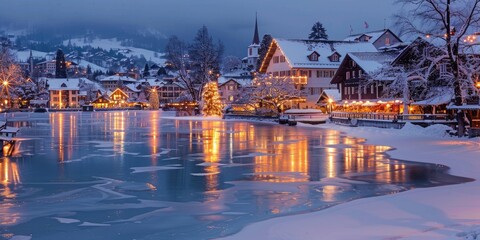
(212,105)
(153,99)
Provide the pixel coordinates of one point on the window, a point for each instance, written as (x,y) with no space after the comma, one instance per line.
(364,90)
(250,51)
(276,59)
(443,69)
(231,87)
(347,76)
(309,73)
(354,64)
(74,99)
(332,73)
(372,89)
(387,41)
(313,56)
(318,74)
(282,58)
(334,58)
(230,98)
(359,73)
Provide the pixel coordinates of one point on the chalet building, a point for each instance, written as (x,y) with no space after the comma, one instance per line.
(115,81)
(228,88)
(115,99)
(381,39)
(67,92)
(311,64)
(351,77)
(169,91)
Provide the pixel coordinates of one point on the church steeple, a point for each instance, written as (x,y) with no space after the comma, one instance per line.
(256,38)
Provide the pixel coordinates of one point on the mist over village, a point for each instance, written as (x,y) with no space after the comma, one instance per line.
(240,120)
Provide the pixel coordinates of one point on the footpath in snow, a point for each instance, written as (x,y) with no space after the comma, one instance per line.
(446,212)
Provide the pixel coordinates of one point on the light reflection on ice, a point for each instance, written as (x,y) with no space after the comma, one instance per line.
(226,175)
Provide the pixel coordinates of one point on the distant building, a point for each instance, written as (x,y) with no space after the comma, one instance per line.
(380,38)
(229,86)
(115,81)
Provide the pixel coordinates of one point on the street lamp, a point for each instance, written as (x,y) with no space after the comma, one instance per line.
(330,102)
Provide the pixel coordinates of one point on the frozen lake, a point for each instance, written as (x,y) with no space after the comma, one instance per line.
(136,175)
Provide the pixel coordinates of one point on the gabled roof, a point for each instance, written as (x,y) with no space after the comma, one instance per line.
(241,81)
(297,51)
(373,35)
(65,83)
(116,78)
(371,62)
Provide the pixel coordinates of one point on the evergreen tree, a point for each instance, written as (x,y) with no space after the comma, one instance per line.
(60,65)
(153,99)
(262,51)
(146,70)
(162,71)
(89,70)
(212,104)
(318,32)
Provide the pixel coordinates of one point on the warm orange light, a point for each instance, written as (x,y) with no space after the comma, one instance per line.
(5,83)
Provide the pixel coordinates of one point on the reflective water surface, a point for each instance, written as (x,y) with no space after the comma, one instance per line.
(136,175)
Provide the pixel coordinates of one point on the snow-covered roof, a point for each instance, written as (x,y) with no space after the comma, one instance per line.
(242,81)
(132,87)
(333,94)
(371,61)
(65,83)
(436,96)
(373,35)
(153,82)
(93,66)
(297,52)
(116,78)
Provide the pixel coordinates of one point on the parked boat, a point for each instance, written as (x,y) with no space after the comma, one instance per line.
(40,110)
(311,116)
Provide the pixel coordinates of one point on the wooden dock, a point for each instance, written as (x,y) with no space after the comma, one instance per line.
(7,138)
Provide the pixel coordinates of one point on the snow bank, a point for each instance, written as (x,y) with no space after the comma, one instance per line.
(437,130)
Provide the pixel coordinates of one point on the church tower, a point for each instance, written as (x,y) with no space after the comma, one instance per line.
(252,55)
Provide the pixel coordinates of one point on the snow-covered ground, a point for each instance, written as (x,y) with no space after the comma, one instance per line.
(447,212)
(113,43)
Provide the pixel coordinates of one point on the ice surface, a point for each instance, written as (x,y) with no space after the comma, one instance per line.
(90,224)
(154,168)
(66,220)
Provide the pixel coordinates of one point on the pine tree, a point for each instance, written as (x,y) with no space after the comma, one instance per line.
(146,70)
(162,71)
(60,65)
(318,32)
(153,99)
(262,51)
(212,104)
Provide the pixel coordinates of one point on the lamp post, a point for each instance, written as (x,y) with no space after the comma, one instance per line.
(330,102)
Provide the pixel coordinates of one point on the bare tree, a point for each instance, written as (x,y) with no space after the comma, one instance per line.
(449,21)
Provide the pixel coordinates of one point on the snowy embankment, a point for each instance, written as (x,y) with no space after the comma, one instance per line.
(447,212)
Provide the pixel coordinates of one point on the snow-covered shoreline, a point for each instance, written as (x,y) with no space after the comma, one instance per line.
(447,212)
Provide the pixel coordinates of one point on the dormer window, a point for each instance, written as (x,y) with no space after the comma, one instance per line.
(335,57)
(63,85)
(313,57)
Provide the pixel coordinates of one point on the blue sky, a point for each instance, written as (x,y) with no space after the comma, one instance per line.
(231,21)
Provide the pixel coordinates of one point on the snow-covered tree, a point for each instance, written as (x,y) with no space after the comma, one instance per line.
(230,64)
(11,78)
(448,22)
(271,93)
(318,32)
(212,104)
(153,99)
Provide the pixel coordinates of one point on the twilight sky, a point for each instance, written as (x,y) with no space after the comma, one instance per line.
(231,21)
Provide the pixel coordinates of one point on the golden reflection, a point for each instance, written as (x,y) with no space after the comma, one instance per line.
(212,133)
(286,159)
(119,132)
(9,177)
(64,131)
